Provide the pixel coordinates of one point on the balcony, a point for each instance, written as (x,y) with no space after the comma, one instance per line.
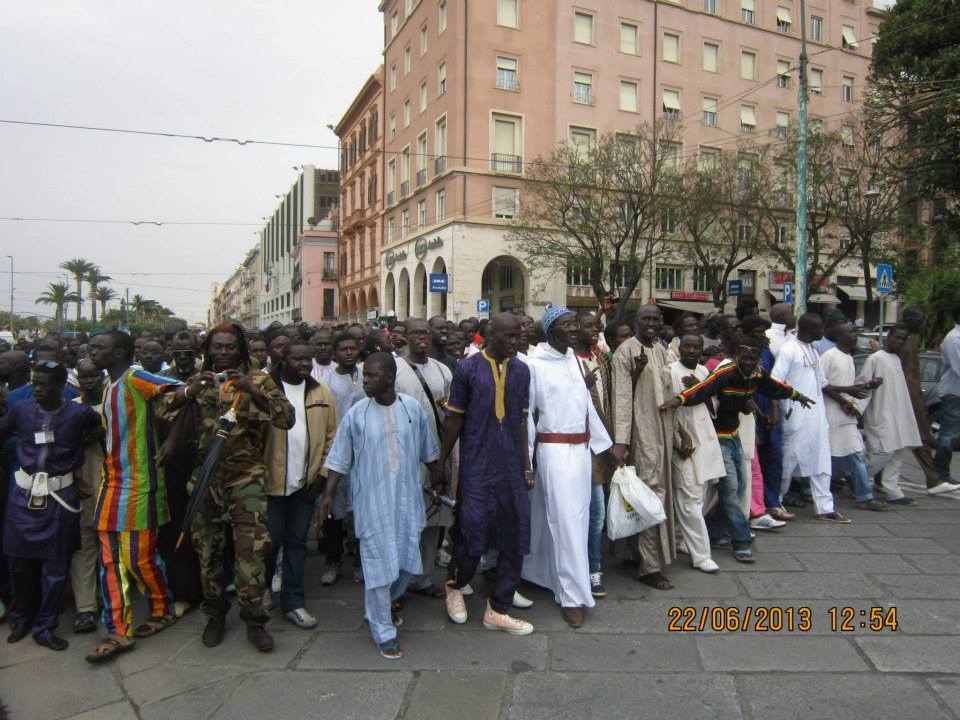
(391,197)
(439,164)
(583,94)
(329,274)
(507,81)
(506,163)
(421,178)
(404,188)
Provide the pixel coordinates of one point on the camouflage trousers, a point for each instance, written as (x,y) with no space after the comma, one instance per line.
(242,510)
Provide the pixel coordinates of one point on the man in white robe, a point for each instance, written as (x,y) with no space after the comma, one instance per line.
(564,431)
(697,459)
(380,444)
(782,323)
(889,424)
(806,433)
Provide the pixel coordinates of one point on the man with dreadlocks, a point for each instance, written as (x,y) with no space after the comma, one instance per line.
(237,498)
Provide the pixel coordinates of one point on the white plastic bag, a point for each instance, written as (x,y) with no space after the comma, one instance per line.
(633,507)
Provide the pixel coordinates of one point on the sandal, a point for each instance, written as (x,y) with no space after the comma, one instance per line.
(109,648)
(390,650)
(430,591)
(154,625)
(745,555)
(656,580)
(85,622)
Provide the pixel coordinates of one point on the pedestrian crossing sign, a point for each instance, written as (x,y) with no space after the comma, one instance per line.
(884,278)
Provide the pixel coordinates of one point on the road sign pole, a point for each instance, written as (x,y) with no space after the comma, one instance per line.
(800,260)
(883,316)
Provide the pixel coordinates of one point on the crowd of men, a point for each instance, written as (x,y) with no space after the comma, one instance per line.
(192,467)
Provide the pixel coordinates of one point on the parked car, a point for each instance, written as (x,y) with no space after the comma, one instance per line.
(931,367)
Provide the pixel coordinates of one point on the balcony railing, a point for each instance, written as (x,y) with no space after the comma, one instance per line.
(391,197)
(329,274)
(505,163)
(404,188)
(507,81)
(583,95)
(439,164)
(421,178)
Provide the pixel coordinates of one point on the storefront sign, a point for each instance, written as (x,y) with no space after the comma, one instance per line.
(698,296)
(423,245)
(393,257)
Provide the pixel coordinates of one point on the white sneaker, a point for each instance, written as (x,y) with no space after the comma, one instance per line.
(493,620)
(943,487)
(466,590)
(766,522)
(682,547)
(301,618)
(519,601)
(708,566)
(456,608)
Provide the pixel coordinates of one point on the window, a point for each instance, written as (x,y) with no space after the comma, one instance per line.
(441,205)
(816,28)
(846,136)
(442,78)
(442,17)
(393,127)
(847,88)
(404,223)
(406,113)
(671,48)
(748,65)
(671,104)
(747,11)
(583,88)
(328,299)
(391,180)
(671,152)
(406,60)
(507,74)
(393,77)
(710,55)
(783,73)
(782,128)
(668,221)
(440,146)
(394,24)
(505,156)
(628,96)
(669,278)
(391,230)
(708,159)
(578,273)
(783,19)
(507,14)
(710,6)
(783,234)
(407,8)
(628,38)
(583,140)
(405,171)
(421,214)
(422,159)
(423,96)
(816,81)
(849,39)
(816,125)
(423,40)
(703,279)
(583,28)
(710,112)
(744,232)
(505,202)
(748,118)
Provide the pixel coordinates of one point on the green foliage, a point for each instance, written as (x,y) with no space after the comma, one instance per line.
(938,290)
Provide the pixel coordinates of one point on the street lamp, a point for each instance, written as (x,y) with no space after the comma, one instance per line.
(13,330)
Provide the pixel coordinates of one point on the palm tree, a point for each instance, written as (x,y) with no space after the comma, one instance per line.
(103,295)
(94,279)
(80,269)
(58,295)
(139,304)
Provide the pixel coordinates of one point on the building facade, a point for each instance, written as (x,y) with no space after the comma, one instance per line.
(361,165)
(475,91)
(315,275)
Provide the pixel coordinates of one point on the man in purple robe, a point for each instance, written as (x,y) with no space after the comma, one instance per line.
(41,524)
(488,414)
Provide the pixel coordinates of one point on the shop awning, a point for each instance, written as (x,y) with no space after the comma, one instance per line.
(854,292)
(694,306)
(823,299)
(775,294)
(783,15)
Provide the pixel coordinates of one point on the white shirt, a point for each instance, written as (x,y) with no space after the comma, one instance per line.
(889,424)
(321,373)
(839,370)
(777,333)
(296,437)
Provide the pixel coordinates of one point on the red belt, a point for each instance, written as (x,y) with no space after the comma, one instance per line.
(564,438)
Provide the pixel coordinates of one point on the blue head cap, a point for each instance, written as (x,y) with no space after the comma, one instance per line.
(550,316)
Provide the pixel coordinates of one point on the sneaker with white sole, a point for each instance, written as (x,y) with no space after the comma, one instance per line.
(708,566)
(492,620)
(301,618)
(467,590)
(766,522)
(943,487)
(456,607)
(519,601)
(330,575)
(597,588)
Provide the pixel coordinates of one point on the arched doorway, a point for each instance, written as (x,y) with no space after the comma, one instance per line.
(438,301)
(390,293)
(403,295)
(373,298)
(344,306)
(504,283)
(419,306)
(362,305)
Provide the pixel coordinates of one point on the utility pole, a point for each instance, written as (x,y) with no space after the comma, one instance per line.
(13,328)
(126,310)
(800,261)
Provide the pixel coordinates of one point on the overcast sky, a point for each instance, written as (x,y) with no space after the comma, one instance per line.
(272,70)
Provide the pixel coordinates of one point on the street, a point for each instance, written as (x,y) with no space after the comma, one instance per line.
(623,664)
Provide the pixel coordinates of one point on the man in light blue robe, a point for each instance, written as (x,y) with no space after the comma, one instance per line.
(380,443)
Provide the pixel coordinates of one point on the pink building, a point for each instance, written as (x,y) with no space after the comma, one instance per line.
(317,261)
(474,91)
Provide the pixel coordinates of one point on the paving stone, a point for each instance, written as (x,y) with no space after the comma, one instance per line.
(235,651)
(927,516)
(897,545)
(940,587)
(633,653)
(442,695)
(799,545)
(79,687)
(450,649)
(195,704)
(948,690)
(295,695)
(911,654)
(863,525)
(924,530)
(950,544)
(935,564)
(759,653)
(334,614)
(114,711)
(836,696)
(611,696)
(795,586)
(774,562)
(691,583)
(850,562)
(172,679)
(928,617)
(150,652)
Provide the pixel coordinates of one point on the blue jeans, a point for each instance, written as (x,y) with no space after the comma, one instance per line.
(854,467)
(949,431)
(598,513)
(288,520)
(728,515)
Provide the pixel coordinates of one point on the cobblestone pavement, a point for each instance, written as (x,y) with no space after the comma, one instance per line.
(624,663)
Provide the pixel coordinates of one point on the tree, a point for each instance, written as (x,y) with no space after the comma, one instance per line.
(58,295)
(594,209)
(103,295)
(80,269)
(94,279)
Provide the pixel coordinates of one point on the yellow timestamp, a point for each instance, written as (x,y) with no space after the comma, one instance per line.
(874,619)
(777,619)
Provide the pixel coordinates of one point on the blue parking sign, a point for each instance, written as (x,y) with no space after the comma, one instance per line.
(788,292)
